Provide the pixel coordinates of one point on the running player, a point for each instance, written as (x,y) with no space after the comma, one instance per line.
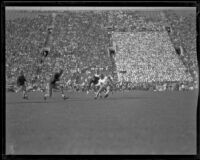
(52,84)
(21,85)
(93,82)
(105,83)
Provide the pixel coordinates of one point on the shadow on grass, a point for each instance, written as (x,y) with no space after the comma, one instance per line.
(24,102)
(49,101)
(104,99)
(128,98)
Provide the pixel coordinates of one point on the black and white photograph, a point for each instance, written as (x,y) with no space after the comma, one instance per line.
(101,80)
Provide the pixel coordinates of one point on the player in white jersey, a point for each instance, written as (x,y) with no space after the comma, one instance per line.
(105,85)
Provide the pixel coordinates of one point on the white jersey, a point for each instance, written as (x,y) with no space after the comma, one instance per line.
(103,81)
(97,75)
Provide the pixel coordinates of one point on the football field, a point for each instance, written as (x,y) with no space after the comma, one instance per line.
(136,122)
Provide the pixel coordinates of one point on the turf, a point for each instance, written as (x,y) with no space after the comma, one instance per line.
(137,122)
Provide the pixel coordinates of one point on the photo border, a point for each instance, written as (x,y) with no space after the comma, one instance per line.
(96,4)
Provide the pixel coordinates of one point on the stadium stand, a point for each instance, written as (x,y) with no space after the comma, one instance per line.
(147,57)
(82,40)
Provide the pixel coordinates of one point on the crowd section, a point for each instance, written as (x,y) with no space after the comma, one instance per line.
(148,57)
(128,21)
(80,43)
(184,34)
(24,38)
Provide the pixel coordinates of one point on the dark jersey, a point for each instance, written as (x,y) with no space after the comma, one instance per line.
(21,80)
(55,78)
(94,80)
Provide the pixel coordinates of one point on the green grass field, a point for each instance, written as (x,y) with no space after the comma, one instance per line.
(137,122)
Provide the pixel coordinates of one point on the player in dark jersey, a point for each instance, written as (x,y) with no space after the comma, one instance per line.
(52,84)
(21,85)
(93,81)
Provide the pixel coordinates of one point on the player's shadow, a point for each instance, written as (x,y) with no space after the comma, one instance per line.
(80,99)
(25,102)
(125,98)
(107,99)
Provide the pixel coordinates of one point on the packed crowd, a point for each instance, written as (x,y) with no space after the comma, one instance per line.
(128,21)
(147,57)
(184,34)
(80,42)
(73,42)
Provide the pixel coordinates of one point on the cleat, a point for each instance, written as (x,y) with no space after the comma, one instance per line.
(95,97)
(106,96)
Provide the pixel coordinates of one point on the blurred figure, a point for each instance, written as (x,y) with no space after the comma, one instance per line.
(48,42)
(93,82)
(105,83)
(52,84)
(45,51)
(33,85)
(21,85)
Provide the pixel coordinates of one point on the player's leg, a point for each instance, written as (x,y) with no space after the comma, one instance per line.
(24,92)
(99,91)
(107,91)
(61,87)
(111,88)
(90,86)
(48,92)
(19,88)
(51,86)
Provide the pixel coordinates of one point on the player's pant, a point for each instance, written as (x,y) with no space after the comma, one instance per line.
(90,85)
(50,87)
(103,88)
(23,89)
(93,87)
